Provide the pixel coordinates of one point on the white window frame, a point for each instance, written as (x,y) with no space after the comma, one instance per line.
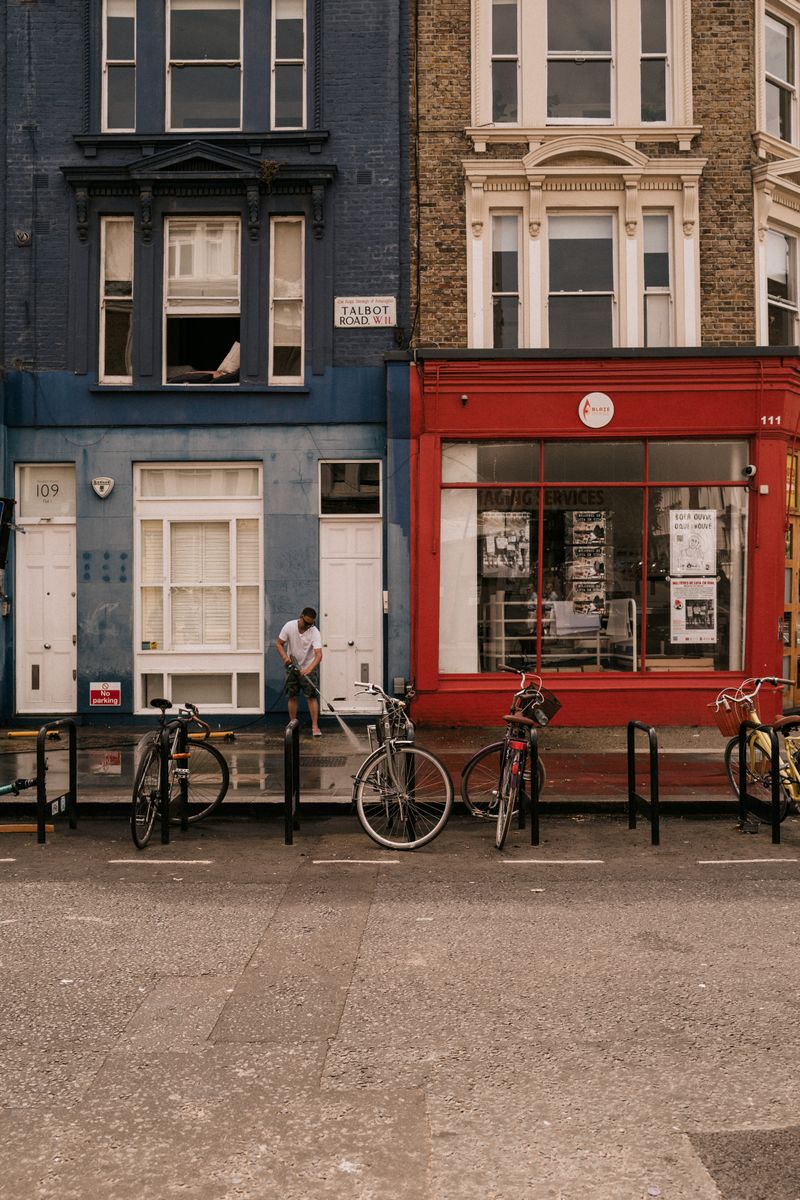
(790,305)
(496,57)
(204,62)
(213,509)
(104,224)
(571,213)
(604,56)
(787,13)
(116,62)
(518,293)
(533,123)
(279,62)
(660,291)
(349,462)
(666,56)
(275,222)
(221,307)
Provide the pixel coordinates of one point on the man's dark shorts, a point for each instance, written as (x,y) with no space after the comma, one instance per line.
(296,683)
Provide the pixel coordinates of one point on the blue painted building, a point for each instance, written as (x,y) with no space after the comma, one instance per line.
(203,423)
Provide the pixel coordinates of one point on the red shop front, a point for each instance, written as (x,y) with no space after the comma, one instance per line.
(617,524)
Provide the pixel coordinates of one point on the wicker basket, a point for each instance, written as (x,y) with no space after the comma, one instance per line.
(545,701)
(729,715)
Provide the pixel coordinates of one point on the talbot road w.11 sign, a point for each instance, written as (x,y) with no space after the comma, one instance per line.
(353,312)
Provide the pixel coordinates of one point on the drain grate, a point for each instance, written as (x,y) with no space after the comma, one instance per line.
(331,760)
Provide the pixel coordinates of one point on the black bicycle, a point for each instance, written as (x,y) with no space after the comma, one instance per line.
(197,774)
(493,781)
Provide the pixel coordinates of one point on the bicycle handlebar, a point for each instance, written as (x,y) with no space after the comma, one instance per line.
(372,689)
(748,689)
(19,785)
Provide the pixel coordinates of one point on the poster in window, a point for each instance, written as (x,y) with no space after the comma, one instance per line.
(505,545)
(693,611)
(692,541)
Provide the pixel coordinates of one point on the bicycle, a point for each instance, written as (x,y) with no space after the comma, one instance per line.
(731,707)
(195,789)
(403,794)
(494,779)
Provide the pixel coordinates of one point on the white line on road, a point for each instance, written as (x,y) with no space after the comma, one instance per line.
(716,862)
(166,862)
(8,860)
(555,862)
(373,862)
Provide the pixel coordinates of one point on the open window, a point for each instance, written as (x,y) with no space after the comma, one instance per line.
(202,300)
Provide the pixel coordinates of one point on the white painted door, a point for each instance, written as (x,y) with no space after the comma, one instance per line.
(46,619)
(351,611)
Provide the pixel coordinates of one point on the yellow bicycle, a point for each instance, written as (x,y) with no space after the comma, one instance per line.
(734,705)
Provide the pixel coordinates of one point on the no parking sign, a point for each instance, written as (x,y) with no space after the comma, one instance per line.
(105,695)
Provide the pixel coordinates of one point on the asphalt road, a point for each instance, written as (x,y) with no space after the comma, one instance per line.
(229,1017)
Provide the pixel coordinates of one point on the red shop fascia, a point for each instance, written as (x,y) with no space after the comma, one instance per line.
(705,395)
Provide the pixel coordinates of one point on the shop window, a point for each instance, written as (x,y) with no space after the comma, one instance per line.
(201,297)
(116,300)
(780,77)
(782,309)
(286,300)
(119,65)
(505,60)
(579,61)
(288,64)
(657,280)
(505,282)
(350,488)
(204,67)
(598,567)
(654,66)
(581,270)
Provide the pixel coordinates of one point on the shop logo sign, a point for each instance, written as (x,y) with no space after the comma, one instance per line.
(596,410)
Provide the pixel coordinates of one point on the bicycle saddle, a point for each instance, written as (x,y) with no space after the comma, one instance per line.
(784,723)
(162,704)
(516,719)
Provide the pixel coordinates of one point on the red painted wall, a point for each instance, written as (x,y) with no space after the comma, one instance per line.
(757,397)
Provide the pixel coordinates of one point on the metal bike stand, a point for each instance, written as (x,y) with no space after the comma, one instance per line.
(291,781)
(163,784)
(754,804)
(534,737)
(637,805)
(68,801)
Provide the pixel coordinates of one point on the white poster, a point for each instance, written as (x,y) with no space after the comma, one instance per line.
(692,541)
(693,610)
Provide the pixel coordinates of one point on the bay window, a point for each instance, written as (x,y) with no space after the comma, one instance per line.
(204,65)
(592,556)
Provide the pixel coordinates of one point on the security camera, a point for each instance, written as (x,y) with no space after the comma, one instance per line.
(749,471)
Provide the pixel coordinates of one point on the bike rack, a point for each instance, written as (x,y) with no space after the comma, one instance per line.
(291,781)
(68,801)
(637,805)
(750,803)
(534,756)
(163,783)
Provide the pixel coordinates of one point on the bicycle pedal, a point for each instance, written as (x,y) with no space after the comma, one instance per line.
(751,825)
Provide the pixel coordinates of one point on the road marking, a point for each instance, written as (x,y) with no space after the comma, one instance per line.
(8,860)
(555,862)
(709,862)
(164,862)
(373,862)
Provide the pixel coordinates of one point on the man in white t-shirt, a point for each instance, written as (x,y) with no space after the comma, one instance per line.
(300,646)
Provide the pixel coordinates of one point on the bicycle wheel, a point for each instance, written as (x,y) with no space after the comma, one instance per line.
(146,795)
(759,774)
(208,782)
(479,781)
(508,793)
(406,803)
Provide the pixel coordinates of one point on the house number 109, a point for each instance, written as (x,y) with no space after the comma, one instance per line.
(45,490)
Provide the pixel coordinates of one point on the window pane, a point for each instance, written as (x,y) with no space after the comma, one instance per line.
(118,341)
(656,251)
(287,268)
(248,690)
(247,622)
(289,39)
(581,254)
(504,91)
(350,487)
(780,326)
(203,689)
(153,618)
(654,89)
(121,97)
(505,276)
(696,621)
(581,322)
(505,322)
(203,260)
(199,553)
(289,95)
(688,461)
(205,98)
(287,337)
(151,569)
(581,25)
(610,462)
(779,111)
(120,29)
(779,259)
(779,49)
(200,616)
(247,556)
(654,26)
(200,483)
(658,328)
(579,91)
(504,27)
(490,462)
(118,261)
(202,29)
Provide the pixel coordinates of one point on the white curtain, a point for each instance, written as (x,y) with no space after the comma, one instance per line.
(458,591)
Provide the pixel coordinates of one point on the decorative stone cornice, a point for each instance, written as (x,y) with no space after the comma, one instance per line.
(509,135)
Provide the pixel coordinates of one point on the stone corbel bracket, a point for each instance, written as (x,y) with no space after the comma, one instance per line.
(690,204)
(536,205)
(146,214)
(631,204)
(477,204)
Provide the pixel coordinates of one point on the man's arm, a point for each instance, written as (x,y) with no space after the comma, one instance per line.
(317,659)
(279,646)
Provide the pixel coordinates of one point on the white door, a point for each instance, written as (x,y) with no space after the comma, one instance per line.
(46,619)
(351,611)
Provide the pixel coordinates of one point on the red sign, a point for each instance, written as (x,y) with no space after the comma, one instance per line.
(105,695)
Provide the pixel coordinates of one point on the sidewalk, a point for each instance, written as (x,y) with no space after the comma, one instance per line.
(585,767)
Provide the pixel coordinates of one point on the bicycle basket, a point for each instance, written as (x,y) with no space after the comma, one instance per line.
(729,715)
(543,700)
